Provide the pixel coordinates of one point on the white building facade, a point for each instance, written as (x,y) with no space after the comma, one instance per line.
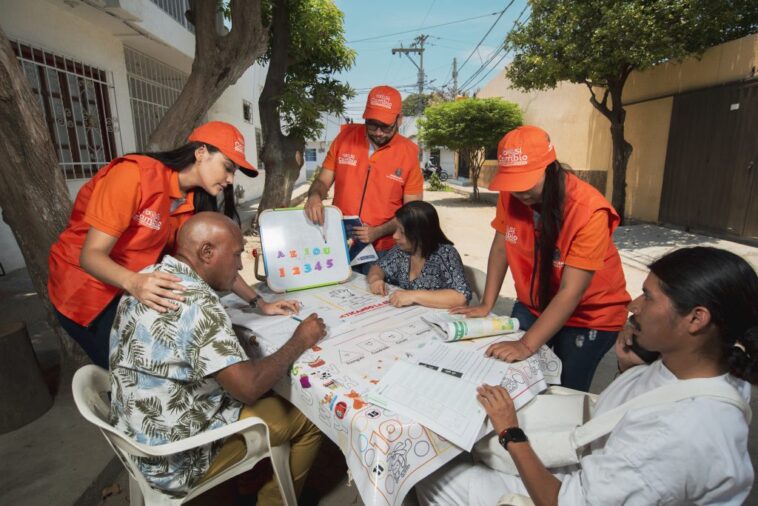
(104,73)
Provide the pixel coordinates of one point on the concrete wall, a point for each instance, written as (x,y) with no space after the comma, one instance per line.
(579,133)
(582,137)
(97,37)
(648,99)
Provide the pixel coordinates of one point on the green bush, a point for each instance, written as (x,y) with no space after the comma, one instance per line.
(435,184)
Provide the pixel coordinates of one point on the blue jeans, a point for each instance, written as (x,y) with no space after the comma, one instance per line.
(95,339)
(580,349)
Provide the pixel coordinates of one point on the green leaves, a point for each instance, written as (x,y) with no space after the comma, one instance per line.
(316,51)
(468,123)
(601,41)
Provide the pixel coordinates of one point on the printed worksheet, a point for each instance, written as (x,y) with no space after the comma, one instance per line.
(438,389)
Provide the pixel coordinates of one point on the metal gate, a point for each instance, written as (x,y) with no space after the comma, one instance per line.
(711,176)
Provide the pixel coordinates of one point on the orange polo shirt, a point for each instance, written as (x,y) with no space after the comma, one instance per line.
(115,199)
(373,187)
(136,199)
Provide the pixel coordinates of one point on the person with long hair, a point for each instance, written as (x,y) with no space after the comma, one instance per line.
(423,262)
(553,231)
(126,218)
(699,310)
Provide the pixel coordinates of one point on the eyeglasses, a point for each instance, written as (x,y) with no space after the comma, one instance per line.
(373,126)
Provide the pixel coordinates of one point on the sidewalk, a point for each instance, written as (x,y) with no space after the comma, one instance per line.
(60,459)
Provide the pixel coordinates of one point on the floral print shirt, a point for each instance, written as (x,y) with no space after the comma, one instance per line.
(443,269)
(162,384)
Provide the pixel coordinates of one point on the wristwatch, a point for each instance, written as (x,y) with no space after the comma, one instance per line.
(512,435)
(254,301)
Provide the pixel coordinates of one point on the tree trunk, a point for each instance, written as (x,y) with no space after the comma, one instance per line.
(282,154)
(622,150)
(475,160)
(33,194)
(277,189)
(219,62)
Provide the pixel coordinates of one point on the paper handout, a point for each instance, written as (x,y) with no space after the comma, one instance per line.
(438,389)
(456,327)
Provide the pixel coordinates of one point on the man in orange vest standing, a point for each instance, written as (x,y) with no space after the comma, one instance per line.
(374,169)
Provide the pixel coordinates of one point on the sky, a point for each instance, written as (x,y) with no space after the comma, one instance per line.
(372,30)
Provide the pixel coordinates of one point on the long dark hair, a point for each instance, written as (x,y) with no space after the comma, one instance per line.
(727,286)
(184,156)
(422,227)
(550,223)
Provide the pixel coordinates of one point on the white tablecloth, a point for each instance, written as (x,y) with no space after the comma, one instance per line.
(385,452)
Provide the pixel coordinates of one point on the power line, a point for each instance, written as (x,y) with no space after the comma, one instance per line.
(503,48)
(485,36)
(427,13)
(422,28)
(488,72)
(484,65)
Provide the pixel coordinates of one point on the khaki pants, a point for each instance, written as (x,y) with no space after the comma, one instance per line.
(285,423)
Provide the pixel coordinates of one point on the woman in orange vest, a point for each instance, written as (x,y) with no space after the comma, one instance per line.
(126,218)
(554,232)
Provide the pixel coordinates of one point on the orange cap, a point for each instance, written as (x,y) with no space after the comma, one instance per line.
(383,104)
(228,140)
(523,154)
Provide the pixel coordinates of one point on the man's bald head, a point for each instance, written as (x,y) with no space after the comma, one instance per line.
(211,244)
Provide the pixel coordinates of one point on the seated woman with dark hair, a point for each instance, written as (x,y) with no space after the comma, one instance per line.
(423,263)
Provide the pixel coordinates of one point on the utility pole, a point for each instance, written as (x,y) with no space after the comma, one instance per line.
(418,48)
(455,78)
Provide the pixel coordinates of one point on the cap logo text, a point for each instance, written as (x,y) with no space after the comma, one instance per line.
(381,100)
(513,157)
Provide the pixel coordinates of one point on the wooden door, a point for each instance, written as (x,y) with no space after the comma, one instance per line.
(710,173)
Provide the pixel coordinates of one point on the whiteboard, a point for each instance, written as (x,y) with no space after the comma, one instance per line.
(295,254)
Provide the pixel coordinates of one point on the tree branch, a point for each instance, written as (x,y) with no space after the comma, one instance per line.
(602,105)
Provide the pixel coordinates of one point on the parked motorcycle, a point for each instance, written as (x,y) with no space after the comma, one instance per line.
(430,168)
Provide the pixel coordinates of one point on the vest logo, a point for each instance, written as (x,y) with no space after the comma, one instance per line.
(239,146)
(397,176)
(512,157)
(149,218)
(347,159)
(381,100)
(510,235)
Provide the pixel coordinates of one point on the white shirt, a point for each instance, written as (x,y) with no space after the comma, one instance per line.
(693,451)
(690,452)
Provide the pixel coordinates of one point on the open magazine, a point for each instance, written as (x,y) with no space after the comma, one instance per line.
(358,252)
(456,327)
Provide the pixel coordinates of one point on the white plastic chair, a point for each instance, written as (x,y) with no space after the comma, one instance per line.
(476,279)
(92,382)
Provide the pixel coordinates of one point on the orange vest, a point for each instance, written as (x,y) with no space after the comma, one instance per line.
(604,304)
(382,187)
(76,294)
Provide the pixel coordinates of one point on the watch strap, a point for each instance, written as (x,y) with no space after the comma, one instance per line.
(512,435)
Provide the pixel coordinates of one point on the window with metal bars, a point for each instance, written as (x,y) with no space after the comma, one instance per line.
(75,102)
(153,88)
